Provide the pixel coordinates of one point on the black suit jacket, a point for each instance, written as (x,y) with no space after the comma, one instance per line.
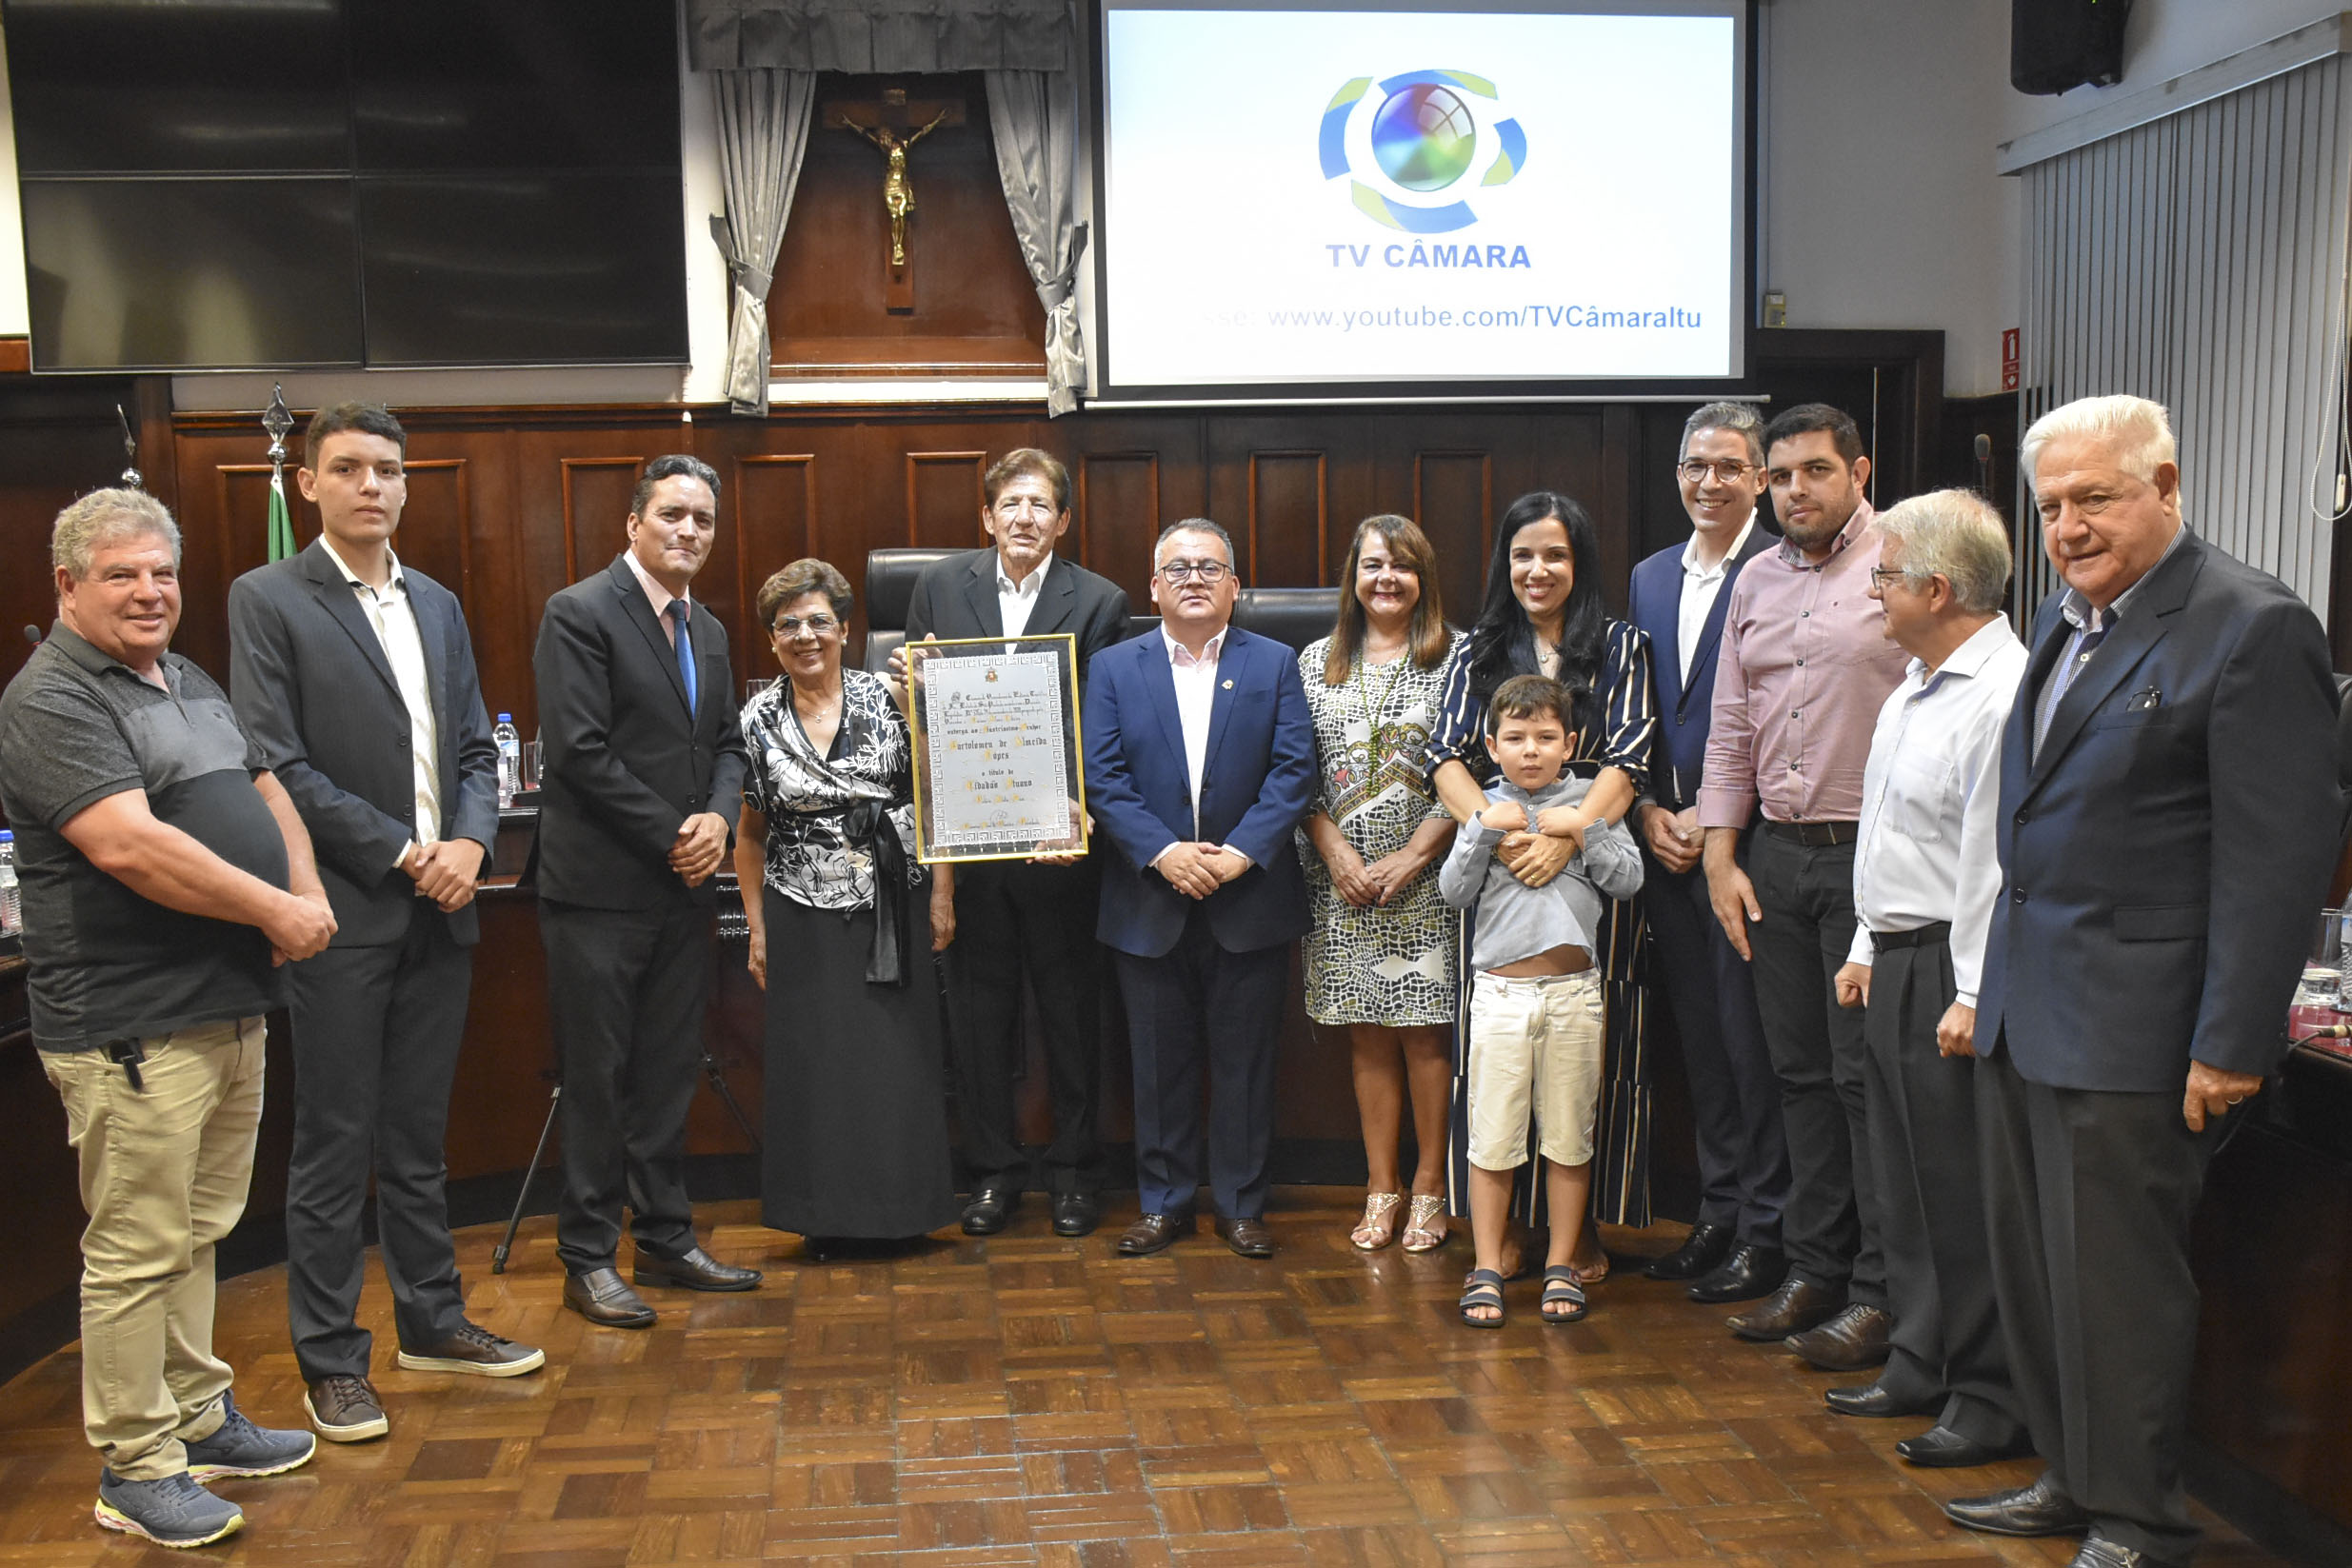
(623,764)
(311,681)
(957,598)
(2166,848)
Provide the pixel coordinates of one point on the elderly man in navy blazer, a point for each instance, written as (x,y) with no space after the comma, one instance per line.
(1200,761)
(2169,815)
(1733,1252)
(355,674)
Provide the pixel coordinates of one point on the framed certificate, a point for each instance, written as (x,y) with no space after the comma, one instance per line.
(999,768)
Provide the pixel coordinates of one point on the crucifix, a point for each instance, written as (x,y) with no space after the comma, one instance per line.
(894,125)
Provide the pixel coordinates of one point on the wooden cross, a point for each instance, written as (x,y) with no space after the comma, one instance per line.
(894,125)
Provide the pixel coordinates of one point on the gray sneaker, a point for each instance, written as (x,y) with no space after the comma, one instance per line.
(172,1512)
(240,1448)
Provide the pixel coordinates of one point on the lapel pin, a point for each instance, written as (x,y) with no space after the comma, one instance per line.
(1229,685)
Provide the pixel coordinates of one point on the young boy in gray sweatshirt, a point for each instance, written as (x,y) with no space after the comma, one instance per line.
(1536,1000)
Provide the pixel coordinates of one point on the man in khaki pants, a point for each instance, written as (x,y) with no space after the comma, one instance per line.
(165,875)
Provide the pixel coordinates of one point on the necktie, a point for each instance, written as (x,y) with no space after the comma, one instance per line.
(686,651)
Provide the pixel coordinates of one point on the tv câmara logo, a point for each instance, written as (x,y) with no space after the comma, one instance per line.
(1423,135)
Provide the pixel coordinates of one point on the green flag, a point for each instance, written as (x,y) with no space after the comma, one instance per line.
(281,526)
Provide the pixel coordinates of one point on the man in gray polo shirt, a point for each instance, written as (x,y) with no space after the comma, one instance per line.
(165,876)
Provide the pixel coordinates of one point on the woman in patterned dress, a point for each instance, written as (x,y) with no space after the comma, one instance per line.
(856,1107)
(1380,957)
(1543,616)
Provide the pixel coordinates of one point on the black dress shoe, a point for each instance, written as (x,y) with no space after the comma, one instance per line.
(1247,1237)
(601,1297)
(697,1270)
(1941,1448)
(1155,1232)
(1075,1214)
(1701,1252)
(1874,1400)
(1792,1309)
(2037,1510)
(1852,1341)
(1749,1272)
(990,1207)
(2099,1552)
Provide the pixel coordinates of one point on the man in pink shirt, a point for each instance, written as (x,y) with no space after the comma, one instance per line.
(1802,672)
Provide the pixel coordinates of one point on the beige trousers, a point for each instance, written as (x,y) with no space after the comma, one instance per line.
(1535,1054)
(164,1173)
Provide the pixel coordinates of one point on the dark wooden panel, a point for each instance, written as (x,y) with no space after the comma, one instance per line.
(1287,523)
(975,307)
(1117,498)
(596,495)
(775,510)
(436,524)
(1454,501)
(944,498)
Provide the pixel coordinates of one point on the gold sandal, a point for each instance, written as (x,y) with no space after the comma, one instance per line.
(1425,1227)
(1379,1225)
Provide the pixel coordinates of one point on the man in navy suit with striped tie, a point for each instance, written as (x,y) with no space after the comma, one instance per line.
(1200,763)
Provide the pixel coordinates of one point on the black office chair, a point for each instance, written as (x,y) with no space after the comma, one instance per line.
(889,589)
(1296,616)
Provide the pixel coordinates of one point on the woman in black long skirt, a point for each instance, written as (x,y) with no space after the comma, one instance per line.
(856,1110)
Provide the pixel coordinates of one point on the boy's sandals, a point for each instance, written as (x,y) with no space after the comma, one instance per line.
(1379,1225)
(1425,1227)
(1563,1299)
(1483,1289)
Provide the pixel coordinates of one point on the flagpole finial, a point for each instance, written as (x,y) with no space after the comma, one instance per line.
(132,478)
(277,421)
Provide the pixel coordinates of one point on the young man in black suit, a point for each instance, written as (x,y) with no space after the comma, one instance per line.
(2170,813)
(1034,915)
(356,675)
(642,782)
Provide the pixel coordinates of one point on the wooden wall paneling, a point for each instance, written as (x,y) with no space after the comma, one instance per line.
(436,526)
(1613,512)
(775,510)
(944,499)
(595,499)
(56,442)
(234,541)
(1286,518)
(1454,501)
(1117,498)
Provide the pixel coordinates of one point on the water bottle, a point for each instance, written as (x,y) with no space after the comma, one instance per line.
(11,902)
(509,759)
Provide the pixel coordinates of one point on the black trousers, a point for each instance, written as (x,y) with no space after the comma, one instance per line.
(1013,919)
(1830,1227)
(1201,1006)
(627,989)
(1924,1147)
(1735,1100)
(376,1036)
(2088,1196)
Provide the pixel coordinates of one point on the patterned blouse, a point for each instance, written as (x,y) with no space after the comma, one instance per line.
(804,796)
(1622,739)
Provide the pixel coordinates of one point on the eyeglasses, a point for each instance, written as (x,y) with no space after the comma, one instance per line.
(816,625)
(1210,572)
(1881,576)
(1730,470)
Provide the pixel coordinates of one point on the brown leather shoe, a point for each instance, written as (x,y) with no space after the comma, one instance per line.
(1792,1309)
(1155,1232)
(1853,1339)
(343,1408)
(1248,1236)
(601,1297)
(697,1270)
(474,1349)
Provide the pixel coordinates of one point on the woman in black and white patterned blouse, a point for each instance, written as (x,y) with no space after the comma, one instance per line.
(856,1110)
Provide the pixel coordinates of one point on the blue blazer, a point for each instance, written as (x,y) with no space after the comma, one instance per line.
(2166,847)
(1257,784)
(1678,746)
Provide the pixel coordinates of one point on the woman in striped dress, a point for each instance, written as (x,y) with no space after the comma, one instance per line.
(1543,615)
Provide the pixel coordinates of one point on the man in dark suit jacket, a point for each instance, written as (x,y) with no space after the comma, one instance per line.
(2169,814)
(1200,761)
(639,793)
(1036,914)
(1733,1252)
(357,676)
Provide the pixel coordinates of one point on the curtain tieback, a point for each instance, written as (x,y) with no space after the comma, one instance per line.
(1064,283)
(747,277)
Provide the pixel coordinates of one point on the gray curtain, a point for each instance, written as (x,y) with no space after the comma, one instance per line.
(1030,113)
(762,131)
(866,36)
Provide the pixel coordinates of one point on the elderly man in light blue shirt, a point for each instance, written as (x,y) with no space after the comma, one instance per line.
(1926,872)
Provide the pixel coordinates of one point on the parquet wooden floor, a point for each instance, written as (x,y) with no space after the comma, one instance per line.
(1034,1401)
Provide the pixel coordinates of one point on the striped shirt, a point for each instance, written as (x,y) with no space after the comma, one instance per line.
(1621,739)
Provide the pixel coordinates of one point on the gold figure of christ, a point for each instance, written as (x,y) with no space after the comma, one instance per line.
(898,193)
